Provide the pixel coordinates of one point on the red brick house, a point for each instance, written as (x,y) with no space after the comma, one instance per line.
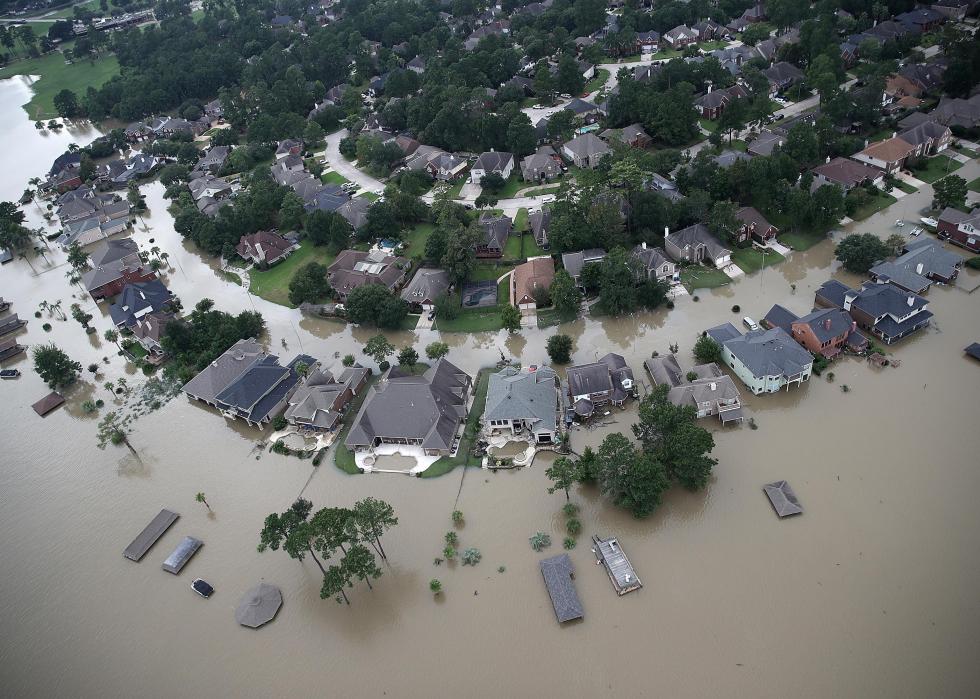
(754,226)
(825,332)
(960,228)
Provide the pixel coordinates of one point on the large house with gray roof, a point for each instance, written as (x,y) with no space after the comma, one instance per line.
(765,360)
(697,244)
(590,386)
(247,383)
(921,263)
(317,404)
(525,403)
(425,288)
(586,150)
(492,163)
(426,412)
(825,331)
(884,310)
(711,392)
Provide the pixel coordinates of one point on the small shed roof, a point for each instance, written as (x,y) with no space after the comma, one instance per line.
(259,605)
(783,499)
(973,350)
(557,572)
(48,403)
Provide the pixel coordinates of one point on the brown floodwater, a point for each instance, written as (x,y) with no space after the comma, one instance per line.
(871,592)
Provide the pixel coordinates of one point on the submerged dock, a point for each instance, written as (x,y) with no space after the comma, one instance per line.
(609,553)
(153,531)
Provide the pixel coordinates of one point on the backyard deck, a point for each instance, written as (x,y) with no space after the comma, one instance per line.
(153,531)
(609,553)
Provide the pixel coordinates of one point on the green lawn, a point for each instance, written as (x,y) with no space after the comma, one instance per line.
(520,221)
(457,185)
(877,203)
(331,177)
(548,317)
(708,125)
(472,321)
(596,83)
(712,45)
(370,196)
(802,240)
(737,144)
(966,151)
(905,187)
(531,248)
(512,249)
(511,185)
(700,277)
(56,75)
(470,432)
(752,260)
(936,168)
(273,284)
(542,190)
(415,239)
(343,457)
(487,272)
(974,186)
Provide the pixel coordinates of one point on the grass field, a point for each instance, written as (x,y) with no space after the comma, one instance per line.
(273,284)
(905,187)
(596,83)
(974,186)
(520,221)
(708,125)
(511,185)
(331,177)
(547,317)
(56,75)
(878,203)
(700,277)
(370,196)
(542,190)
(512,249)
(936,168)
(470,431)
(802,240)
(415,239)
(752,260)
(474,321)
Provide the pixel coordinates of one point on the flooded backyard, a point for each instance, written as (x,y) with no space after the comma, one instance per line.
(871,592)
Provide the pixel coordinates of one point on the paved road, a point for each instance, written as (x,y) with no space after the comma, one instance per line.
(339,164)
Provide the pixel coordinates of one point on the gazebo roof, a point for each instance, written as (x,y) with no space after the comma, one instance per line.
(783,499)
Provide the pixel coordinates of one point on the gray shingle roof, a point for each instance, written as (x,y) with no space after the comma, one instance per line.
(827,323)
(557,573)
(220,373)
(765,352)
(780,317)
(523,395)
(783,499)
(426,285)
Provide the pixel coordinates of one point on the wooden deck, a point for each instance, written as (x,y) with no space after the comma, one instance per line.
(617,565)
(153,531)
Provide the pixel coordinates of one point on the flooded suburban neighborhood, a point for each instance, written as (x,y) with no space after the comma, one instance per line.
(871,591)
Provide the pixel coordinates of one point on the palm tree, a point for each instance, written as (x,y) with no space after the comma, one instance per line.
(111,335)
(56,307)
(45,306)
(200,498)
(155,251)
(73,148)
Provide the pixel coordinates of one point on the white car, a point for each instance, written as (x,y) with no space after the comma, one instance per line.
(916,232)
(931,222)
(899,223)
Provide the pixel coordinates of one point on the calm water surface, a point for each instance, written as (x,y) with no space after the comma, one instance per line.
(872,592)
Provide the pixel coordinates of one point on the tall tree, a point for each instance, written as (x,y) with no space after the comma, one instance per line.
(563,474)
(634,480)
(460,256)
(373,517)
(54,366)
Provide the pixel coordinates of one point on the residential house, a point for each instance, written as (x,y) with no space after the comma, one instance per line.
(713,103)
(319,400)
(782,76)
(648,42)
(960,228)
(708,29)
(492,163)
(288,147)
(652,263)
(593,385)
(953,9)
(424,288)
(583,111)
(955,111)
(888,155)
(139,299)
(765,360)
(928,138)
(696,244)
(632,135)
(416,65)
(727,158)
(213,160)
(754,226)
(446,166)
(711,392)
(585,151)
(543,166)
(355,211)
(921,19)
(113,265)
(575,262)
(539,222)
(826,331)
(660,185)
(354,268)
(530,280)
(264,249)
(524,403)
(681,36)
(426,412)
(148,331)
(921,263)
(496,229)
(846,174)
(881,309)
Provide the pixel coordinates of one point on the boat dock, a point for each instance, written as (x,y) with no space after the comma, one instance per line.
(153,531)
(557,572)
(11,324)
(610,555)
(183,553)
(9,348)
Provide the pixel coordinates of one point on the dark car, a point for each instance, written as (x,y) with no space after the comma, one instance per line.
(202,588)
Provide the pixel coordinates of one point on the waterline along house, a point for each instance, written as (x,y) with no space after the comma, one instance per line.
(524,403)
(765,360)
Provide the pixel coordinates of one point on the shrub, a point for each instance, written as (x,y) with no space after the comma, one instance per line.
(471,557)
(452,538)
(435,586)
(449,552)
(974,262)
(348,360)
(540,541)
(573,526)
(501,569)
(736,308)
(695,298)
(752,423)
(568,543)
(457,517)
(88,407)
(692,376)
(46,327)
(383,365)
(279,422)
(570,509)
(93,368)
(559,348)
(148,369)
(670,304)
(830,377)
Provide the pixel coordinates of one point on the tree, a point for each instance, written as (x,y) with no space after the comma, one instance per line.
(372,518)
(617,284)
(860,251)
(563,474)
(373,304)
(81,316)
(521,138)
(706,350)
(544,83)
(201,499)
(510,317)
(309,284)
(114,430)
(360,563)
(327,228)
(436,350)
(721,220)
(379,348)
(291,531)
(634,480)
(291,212)
(670,435)
(435,586)
(460,256)
(111,335)
(492,182)
(559,348)
(895,242)
(66,104)
(565,296)
(949,191)
(54,366)
(408,356)
(570,79)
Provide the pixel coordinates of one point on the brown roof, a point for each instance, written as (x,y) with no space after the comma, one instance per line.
(354,268)
(899,85)
(749,215)
(48,403)
(536,273)
(847,172)
(890,150)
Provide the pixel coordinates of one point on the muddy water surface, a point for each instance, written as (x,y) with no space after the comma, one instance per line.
(872,592)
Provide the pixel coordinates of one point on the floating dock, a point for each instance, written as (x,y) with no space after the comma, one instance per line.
(153,531)
(609,553)
(48,403)
(11,324)
(183,553)
(557,572)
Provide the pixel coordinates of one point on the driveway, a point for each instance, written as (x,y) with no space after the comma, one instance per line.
(339,164)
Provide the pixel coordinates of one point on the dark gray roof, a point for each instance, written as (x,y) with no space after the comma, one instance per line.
(220,373)
(428,407)
(607,374)
(783,499)
(557,572)
(587,145)
(493,161)
(137,300)
(921,260)
(780,317)
(765,352)
(573,262)
(530,395)
(539,222)
(723,333)
(426,285)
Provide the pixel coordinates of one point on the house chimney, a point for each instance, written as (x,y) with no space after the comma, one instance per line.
(918,268)
(709,89)
(828,159)
(911,301)
(826,323)
(643,245)
(854,326)
(666,232)
(894,134)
